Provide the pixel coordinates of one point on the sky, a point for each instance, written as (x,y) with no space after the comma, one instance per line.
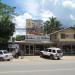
(63,10)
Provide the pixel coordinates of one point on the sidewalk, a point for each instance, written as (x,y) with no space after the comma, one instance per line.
(68,57)
(39,59)
(29,59)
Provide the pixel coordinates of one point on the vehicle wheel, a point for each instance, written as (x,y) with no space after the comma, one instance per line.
(1,59)
(16,56)
(41,54)
(58,58)
(51,57)
(8,60)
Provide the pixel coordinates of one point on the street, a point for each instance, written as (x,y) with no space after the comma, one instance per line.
(40,67)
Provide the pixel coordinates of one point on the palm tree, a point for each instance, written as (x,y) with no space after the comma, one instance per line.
(51,25)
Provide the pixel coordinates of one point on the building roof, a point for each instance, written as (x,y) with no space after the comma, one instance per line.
(62,30)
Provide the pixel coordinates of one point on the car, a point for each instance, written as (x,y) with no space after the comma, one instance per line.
(52,53)
(5,55)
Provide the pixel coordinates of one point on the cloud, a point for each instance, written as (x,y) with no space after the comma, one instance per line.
(72,17)
(69,4)
(20,20)
(46,14)
(30,6)
(34,7)
(43,2)
(56,2)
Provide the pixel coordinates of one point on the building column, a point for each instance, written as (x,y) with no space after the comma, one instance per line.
(44,46)
(33,48)
(29,49)
(71,49)
(25,49)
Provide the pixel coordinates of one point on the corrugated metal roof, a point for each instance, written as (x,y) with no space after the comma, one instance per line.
(62,30)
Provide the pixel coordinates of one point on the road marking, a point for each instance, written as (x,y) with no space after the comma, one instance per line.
(47,70)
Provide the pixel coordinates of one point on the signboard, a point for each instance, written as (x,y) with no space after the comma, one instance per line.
(37,38)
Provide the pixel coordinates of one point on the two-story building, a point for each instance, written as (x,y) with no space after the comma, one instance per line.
(64,39)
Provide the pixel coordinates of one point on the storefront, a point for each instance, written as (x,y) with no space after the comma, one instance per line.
(32,45)
(67,47)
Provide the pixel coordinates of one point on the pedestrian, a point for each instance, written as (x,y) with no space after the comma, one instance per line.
(22,54)
(17,53)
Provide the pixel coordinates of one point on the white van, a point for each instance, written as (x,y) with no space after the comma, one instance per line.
(53,53)
(5,55)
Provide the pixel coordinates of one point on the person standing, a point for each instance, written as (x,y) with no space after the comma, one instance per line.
(22,54)
(16,53)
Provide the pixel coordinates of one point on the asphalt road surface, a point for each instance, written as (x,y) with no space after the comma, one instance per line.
(50,67)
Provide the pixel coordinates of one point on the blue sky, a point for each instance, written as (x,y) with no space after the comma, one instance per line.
(63,10)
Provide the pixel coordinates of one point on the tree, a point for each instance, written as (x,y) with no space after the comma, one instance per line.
(51,25)
(20,37)
(7,27)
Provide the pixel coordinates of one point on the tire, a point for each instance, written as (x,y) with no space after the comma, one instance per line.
(41,54)
(8,59)
(16,56)
(51,57)
(58,59)
(1,59)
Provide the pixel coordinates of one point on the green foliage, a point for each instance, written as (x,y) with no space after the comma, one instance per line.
(51,25)
(7,27)
(6,9)
(20,37)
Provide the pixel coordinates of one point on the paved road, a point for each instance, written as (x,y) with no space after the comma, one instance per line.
(44,67)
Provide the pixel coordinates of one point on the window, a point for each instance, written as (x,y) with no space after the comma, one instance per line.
(1,52)
(49,50)
(53,51)
(62,36)
(59,51)
(5,52)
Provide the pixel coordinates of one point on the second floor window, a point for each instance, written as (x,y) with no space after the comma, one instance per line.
(62,36)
